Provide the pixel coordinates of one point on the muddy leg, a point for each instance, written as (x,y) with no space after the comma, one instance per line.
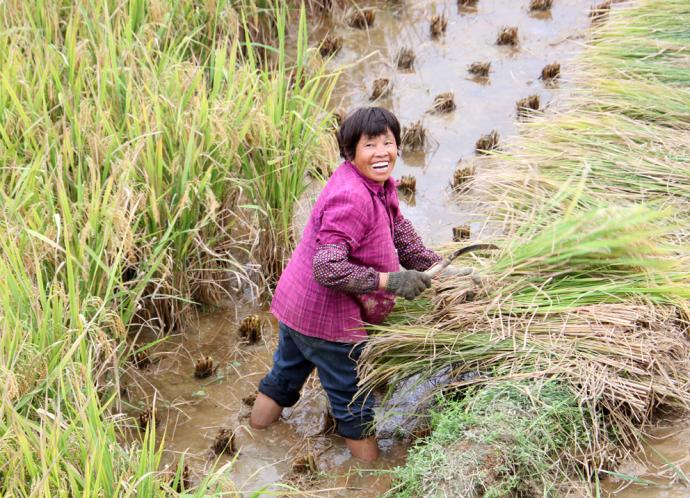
(264,412)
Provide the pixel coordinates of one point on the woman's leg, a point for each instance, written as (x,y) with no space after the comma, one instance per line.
(282,385)
(336,364)
(264,412)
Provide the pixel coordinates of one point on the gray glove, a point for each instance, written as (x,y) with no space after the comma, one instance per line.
(408,283)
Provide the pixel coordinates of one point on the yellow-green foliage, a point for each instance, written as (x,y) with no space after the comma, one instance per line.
(128,130)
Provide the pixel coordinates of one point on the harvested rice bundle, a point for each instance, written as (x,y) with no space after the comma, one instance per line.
(595,299)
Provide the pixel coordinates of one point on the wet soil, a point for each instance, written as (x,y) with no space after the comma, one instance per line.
(191,411)
(661,470)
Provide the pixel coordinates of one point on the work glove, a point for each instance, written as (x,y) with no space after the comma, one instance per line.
(462,271)
(408,283)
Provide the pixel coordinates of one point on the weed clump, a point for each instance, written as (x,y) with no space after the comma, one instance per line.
(438,25)
(408,184)
(305,464)
(330,45)
(540,5)
(413,137)
(204,368)
(145,417)
(461,176)
(527,105)
(381,88)
(502,440)
(599,12)
(444,103)
(405,58)
(487,142)
(224,442)
(461,232)
(249,399)
(480,69)
(551,72)
(467,3)
(508,36)
(250,329)
(361,18)
(141,359)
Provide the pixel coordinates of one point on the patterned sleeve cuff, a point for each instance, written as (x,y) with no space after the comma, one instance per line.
(411,250)
(333,270)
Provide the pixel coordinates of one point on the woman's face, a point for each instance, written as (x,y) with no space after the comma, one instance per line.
(375,156)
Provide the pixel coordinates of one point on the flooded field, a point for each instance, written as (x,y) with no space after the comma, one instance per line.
(192,411)
(441,65)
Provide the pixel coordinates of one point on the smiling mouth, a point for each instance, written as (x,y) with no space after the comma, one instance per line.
(380,166)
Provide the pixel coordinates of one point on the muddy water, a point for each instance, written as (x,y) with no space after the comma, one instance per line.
(661,470)
(192,410)
(441,66)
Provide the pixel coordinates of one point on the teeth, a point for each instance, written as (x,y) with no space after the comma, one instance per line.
(380,165)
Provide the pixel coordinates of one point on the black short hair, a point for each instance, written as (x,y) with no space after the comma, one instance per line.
(369,121)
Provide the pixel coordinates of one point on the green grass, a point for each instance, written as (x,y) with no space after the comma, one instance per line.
(511,439)
(131,134)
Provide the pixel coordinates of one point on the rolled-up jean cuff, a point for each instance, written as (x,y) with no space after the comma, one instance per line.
(277,395)
(355,429)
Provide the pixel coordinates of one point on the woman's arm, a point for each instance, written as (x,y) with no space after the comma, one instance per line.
(332,269)
(412,252)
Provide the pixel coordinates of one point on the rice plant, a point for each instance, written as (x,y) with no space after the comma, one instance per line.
(131,133)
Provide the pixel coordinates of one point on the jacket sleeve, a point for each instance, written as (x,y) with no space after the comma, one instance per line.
(332,269)
(412,253)
(344,223)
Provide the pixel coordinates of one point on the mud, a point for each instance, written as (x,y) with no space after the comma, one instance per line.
(190,412)
(661,470)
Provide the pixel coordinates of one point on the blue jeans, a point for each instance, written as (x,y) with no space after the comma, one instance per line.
(336,364)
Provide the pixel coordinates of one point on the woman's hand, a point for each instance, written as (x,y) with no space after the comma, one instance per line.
(407,283)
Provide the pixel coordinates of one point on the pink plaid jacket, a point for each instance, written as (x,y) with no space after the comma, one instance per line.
(355,231)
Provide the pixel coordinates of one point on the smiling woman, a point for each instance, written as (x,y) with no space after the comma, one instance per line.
(344,274)
(370,139)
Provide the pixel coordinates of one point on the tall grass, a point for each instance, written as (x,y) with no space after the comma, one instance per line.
(129,135)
